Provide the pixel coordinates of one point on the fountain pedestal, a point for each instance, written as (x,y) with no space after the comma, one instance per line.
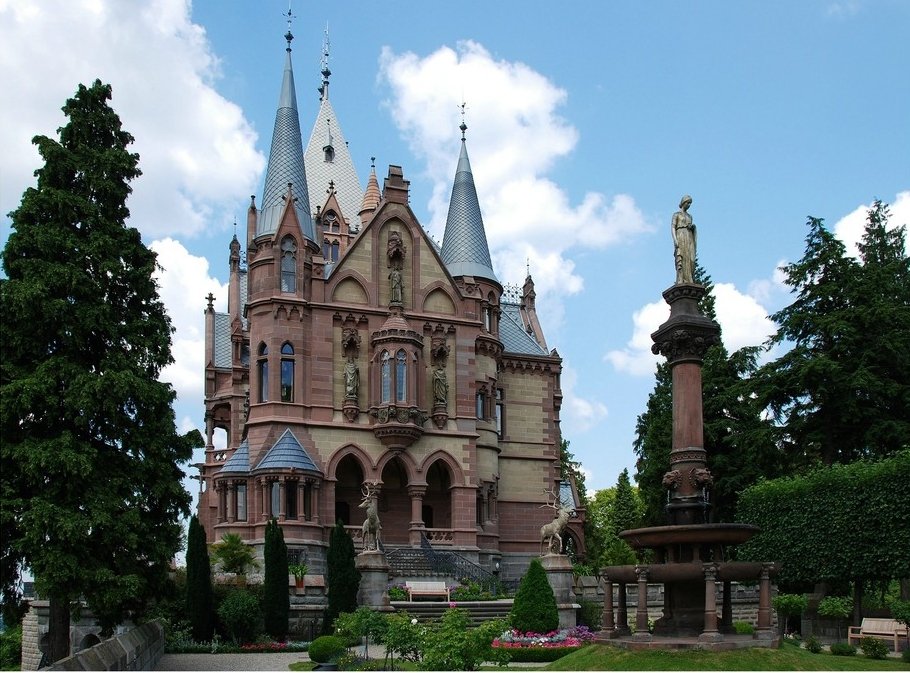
(374,580)
(562,581)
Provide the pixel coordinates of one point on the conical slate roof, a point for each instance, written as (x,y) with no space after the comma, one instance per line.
(239,463)
(287,452)
(464,245)
(286,163)
(336,166)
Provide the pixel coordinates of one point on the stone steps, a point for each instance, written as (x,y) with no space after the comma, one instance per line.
(480,611)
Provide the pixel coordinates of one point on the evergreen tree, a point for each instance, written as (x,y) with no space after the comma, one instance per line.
(276,603)
(343,576)
(740,445)
(534,609)
(200,608)
(611,511)
(843,390)
(91,484)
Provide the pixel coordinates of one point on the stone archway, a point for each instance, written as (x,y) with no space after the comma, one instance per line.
(349,478)
(395,503)
(437,503)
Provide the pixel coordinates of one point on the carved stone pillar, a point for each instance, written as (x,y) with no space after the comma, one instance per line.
(282,499)
(219,492)
(641,611)
(764,602)
(266,498)
(710,629)
(230,499)
(609,625)
(314,497)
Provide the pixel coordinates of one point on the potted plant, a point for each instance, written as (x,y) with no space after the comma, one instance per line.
(298,570)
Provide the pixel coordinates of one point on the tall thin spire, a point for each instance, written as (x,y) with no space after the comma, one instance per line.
(464,245)
(286,164)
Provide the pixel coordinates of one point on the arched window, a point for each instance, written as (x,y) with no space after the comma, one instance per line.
(263,366)
(401,376)
(288,264)
(326,249)
(240,502)
(275,500)
(385,376)
(334,251)
(287,373)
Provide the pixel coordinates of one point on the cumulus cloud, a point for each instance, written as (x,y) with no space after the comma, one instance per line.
(849,228)
(162,70)
(183,283)
(515,137)
(636,358)
(579,413)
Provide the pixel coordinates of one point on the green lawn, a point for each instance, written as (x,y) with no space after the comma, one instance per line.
(787,658)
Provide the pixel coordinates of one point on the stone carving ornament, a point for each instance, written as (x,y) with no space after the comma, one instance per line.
(351,378)
(440,385)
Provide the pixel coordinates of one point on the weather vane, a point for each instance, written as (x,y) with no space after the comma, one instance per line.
(463,127)
(325,47)
(289,36)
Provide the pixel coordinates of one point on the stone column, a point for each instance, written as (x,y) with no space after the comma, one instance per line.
(266,497)
(641,611)
(302,504)
(416,525)
(710,632)
(314,495)
(229,500)
(282,499)
(764,630)
(219,498)
(609,625)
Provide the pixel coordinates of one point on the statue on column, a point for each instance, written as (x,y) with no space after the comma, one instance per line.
(440,385)
(351,378)
(684,242)
(395,251)
(371,525)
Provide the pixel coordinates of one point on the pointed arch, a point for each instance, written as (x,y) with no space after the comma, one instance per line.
(350,290)
(455,472)
(370,469)
(439,301)
(410,465)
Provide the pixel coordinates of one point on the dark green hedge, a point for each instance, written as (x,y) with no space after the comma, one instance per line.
(844,522)
(541,654)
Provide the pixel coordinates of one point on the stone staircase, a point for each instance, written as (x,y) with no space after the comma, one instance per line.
(405,562)
(480,611)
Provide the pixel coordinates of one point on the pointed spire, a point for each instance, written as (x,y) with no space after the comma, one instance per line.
(464,245)
(286,160)
(371,196)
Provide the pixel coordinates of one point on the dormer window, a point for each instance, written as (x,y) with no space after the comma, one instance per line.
(330,222)
(329,153)
(288,264)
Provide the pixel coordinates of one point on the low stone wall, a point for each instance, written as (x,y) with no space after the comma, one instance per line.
(137,650)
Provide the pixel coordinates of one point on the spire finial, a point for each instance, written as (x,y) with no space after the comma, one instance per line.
(324,89)
(463,126)
(528,266)
(288,35)
(373,163)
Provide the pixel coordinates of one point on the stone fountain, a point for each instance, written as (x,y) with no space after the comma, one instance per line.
(690,553)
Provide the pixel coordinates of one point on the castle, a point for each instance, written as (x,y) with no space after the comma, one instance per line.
(357,352)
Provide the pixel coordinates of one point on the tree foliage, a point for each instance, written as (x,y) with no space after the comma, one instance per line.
(534,608)
(840,523)
(234,555)
(343,576)
(91,478)
(842,392)
(611,511)
(199,605)
(276,603)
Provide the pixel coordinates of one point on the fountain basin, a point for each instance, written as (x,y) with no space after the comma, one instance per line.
(658,537)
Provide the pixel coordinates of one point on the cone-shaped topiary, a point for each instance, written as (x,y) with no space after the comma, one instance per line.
(343,576)
(200,610)
(275,600)
(534,608)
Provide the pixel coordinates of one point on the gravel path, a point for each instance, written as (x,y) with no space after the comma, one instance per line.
(270,661)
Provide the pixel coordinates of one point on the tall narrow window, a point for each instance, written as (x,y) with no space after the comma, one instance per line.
(275,499)
(326,249)
(401,376)
(481,405)
(385,376)
(241,502)
(500,410)
(263,365)
(307,502)
(334,251)
(287,373)
(290,496)
(486,318)
(288,264)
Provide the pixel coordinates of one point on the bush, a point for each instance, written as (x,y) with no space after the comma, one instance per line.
(843,650)
(535,608)
(905,655)
(403,636)
(398,593)
(326,648)
(276,603)
(874,648)
(239,614)
(813,645)
(590,614)
(790,605)
(900,610)
(540,654)
(11,648)
(470,590)
(453,646)
(743,628)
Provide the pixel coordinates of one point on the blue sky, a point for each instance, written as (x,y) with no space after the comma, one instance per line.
(587,121)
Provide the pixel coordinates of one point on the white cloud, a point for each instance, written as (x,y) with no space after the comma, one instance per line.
(849,228)
(515,137)
(578,413)
(636,358)
(161,69)
(184,282)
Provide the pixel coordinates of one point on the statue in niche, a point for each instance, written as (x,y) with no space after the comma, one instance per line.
(351,378)
(684,241)
(395,290)
(440,385)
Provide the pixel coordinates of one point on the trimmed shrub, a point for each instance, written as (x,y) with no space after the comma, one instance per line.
(240,616)
(199,603)
(843,650)
(743,628)
(540,654)
(590,614)
(874,648)
(343,577)
(276,602)
(326,648)
(813,645)
(535,608)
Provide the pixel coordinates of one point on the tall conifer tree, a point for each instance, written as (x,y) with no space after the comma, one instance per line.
(91,483)
(276,603)
(343,576)
(200,609)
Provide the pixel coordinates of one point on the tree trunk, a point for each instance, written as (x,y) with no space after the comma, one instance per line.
(58,629)
(905,589)
(857,602)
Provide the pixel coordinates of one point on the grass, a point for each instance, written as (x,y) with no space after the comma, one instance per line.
(787,658)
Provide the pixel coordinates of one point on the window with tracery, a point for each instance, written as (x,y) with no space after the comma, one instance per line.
(385,377)
(287,373)
(393,376)
(288,264)
(401,376)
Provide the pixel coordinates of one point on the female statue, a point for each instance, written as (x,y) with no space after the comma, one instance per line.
(684,238)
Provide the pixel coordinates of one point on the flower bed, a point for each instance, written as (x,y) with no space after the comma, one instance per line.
(543,646)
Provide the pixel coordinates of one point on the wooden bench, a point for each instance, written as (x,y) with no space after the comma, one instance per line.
(426,589)
(886,629)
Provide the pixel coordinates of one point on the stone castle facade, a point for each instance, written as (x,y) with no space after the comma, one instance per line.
(356,351)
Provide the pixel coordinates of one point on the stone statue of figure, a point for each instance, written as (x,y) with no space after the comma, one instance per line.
(351,378)
(395,291)
(440,385)
(684,239)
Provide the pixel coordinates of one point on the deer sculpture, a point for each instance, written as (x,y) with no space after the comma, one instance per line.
(371,525)
(550,532)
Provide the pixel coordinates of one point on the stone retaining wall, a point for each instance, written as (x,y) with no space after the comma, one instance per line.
(137,650)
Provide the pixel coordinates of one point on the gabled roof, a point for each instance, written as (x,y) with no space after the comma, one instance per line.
(287,453)
(464,245)
(239,463)
(285,163)
(513,333)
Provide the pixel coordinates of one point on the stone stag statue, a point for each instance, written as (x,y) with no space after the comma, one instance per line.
(684,241)
(371,525)
(550,533)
